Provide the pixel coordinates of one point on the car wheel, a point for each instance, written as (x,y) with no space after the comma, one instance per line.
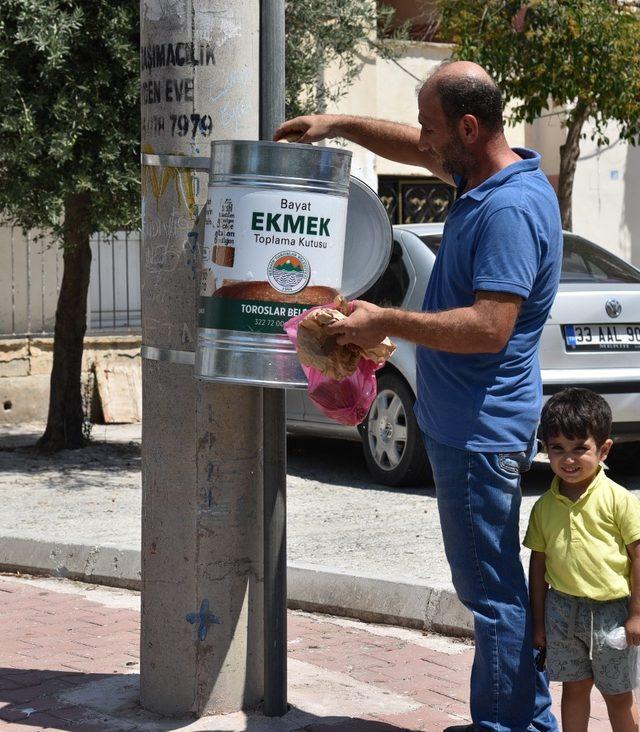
(393,446)
(624,458)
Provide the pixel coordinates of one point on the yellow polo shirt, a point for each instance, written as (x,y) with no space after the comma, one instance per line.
(585,542)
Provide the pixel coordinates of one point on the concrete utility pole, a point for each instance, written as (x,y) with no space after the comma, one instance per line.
(202,646)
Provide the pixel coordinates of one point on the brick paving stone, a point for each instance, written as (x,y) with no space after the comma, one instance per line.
(324,640)
(7,685)
(423,688)
(356,725)
(411,669)
(33,677)
(428,719)
(433,667)
(337,661)
(40,720)
(369,676)
(442,702)
(9,713)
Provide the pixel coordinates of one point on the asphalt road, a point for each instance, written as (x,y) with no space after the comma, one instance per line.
(336,515)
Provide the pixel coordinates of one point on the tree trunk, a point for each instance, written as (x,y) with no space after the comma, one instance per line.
(65,420)
(569,153)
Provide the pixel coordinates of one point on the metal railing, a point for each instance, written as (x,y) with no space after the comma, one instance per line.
(31,272)
(114,289)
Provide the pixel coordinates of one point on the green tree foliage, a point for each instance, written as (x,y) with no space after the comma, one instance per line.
(580,55)
(70,119)
(320,33)
(69,154)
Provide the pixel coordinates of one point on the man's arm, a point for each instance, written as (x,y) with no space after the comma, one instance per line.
(390,140)
(632,624)
(537,595)
(484,327)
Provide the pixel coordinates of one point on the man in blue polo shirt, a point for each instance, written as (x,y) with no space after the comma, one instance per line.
(479,388)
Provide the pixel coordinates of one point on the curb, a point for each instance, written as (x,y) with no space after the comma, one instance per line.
(402,601)
(98,564)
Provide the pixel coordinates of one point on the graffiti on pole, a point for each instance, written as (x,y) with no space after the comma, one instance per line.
(173,106)
(204,618)
(156,181)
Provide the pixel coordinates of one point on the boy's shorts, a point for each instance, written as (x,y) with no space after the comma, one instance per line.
(575,629)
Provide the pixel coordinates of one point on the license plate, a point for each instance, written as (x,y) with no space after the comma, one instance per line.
(602,337)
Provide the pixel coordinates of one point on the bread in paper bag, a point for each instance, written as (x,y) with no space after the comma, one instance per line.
(320,350)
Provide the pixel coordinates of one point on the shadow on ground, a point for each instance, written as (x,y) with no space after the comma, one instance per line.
(341,462)
(338,462)
(70,700)
(117,456)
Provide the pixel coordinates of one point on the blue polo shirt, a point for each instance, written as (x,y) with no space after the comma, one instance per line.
(503,236)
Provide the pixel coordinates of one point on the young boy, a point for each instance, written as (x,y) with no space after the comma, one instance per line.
(584,575)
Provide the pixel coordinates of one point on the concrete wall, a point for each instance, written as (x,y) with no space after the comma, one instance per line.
(388,89)
(605,196)
(418,13)
(606,185)
(25,371)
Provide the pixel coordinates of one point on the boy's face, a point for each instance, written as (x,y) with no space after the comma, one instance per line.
(576,461)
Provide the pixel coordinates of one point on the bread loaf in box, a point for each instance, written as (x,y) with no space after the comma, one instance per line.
(262,290)
(224,256)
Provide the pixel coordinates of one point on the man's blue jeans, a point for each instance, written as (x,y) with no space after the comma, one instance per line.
(479,503)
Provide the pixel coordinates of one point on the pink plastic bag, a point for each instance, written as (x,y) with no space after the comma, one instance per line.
(347,401)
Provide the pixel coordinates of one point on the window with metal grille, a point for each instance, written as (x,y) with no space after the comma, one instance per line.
(415,200)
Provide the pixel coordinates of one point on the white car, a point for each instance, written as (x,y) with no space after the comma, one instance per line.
(591,339)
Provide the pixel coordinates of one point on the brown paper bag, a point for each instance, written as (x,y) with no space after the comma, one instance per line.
(320,350)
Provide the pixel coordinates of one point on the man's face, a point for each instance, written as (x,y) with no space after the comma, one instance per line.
(438,137)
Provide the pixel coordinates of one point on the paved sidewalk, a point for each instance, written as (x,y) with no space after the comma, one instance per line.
(69,661)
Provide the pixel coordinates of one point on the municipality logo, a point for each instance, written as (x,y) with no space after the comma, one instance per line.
(288,272)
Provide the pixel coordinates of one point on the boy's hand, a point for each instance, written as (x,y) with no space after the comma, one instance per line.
(539,636)
(632,628)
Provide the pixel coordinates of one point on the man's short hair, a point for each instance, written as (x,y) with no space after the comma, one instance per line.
(460,95)
(576,414)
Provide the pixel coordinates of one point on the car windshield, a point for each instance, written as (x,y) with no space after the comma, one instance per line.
(582,261)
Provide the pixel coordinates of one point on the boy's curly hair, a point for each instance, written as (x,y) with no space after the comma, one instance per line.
(576,414)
